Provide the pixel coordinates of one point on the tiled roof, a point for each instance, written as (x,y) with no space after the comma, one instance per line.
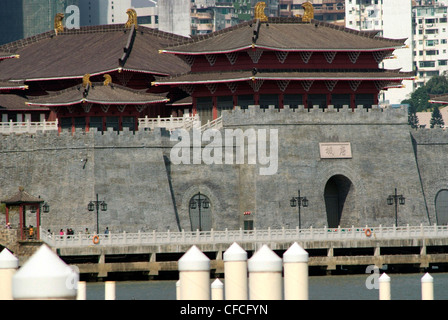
(232,76)
(16,102)
(287,34)
(22,197)
(94,50)
(8,85)
(97,93)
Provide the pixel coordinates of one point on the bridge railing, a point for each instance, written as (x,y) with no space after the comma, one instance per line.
(242,236)
(28,126)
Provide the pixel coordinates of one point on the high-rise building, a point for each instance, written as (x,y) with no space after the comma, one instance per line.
(324,10)
(100,12)
(430,41)
(24,18)
(174,16)
(383,16)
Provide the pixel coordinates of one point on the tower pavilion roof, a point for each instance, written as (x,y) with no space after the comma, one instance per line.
(284,34)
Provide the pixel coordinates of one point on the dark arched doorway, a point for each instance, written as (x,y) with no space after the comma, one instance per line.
(336,192)
(200,213)
(441,202)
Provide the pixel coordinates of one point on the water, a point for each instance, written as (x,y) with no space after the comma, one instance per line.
(351,287)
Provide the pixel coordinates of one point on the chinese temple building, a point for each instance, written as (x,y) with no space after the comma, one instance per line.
(284,61)
(58,60)
(99,105)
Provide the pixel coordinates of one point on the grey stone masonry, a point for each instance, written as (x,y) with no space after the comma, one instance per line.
(146,190)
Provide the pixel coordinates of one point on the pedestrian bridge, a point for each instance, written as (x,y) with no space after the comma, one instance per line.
(330,249)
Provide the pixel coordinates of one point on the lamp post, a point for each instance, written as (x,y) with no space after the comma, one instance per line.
(299,202)
(397,199)
(97,204)
(199,203)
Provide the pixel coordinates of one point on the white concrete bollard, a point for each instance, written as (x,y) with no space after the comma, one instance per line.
(427,287)
(82,291)
(295,268)
(109,290)
(178,290)
(235,273)
(8,267)
(384,287)
(194,275)
(45,277)
(265,275)
(217,290)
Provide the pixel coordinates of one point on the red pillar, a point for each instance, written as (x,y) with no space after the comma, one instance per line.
(7,215)
(38,223)
(21,221)
(195,110)
(215,107)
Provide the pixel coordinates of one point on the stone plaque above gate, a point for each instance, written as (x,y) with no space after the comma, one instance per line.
(335,150)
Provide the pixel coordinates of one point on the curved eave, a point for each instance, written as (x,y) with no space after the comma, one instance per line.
(254,78)
(12,56)
(156,73)
(24,87)
(438,102)
(72,103)
(254,46)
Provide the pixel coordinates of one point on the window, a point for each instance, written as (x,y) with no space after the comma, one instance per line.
(364,99)
(432,52)
(245,100)
(96,122)
(427,64)
(66,123)
(317,100)
(129,122)
(224,103)
(292,100)
(204,107)
(339,100)
(267,100)
(113,122)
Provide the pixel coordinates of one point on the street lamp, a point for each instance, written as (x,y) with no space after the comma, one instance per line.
(299,202)
(97,204)
(199,203)
(397,199)
(46,208)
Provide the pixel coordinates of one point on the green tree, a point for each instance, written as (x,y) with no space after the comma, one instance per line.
(436,118)
(412,116)
(420,97)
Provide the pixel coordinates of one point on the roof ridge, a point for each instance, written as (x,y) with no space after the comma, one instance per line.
(199,38)
(368,34)
(11,47)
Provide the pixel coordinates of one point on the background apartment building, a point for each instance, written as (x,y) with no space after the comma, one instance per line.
(324,10)
(391,19)
(24,18)
(430,40)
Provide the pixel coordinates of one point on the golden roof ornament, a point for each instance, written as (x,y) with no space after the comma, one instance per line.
(132,18)
(58,25)
(309,12)
(259,12)
(107,80)
(86,81)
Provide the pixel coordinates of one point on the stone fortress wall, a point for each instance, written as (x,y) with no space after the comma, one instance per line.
(146,191)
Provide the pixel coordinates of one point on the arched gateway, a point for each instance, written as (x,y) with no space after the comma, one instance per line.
(336,193)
